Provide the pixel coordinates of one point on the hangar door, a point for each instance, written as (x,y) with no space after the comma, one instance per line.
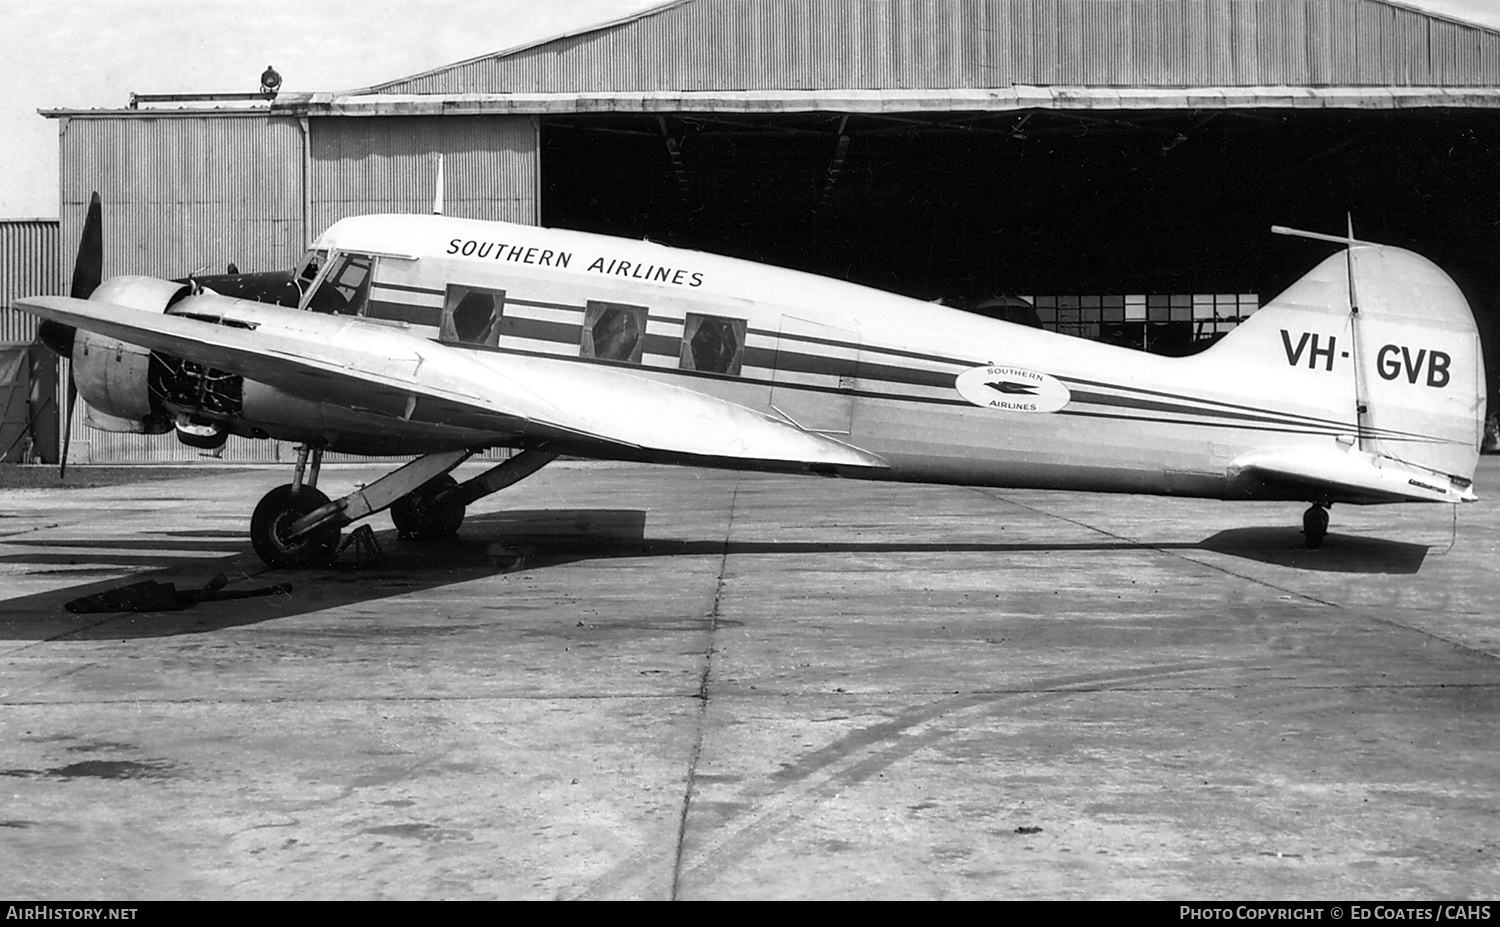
(388,164)
(186,193)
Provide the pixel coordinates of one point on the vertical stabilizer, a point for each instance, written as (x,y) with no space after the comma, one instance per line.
(1382,339)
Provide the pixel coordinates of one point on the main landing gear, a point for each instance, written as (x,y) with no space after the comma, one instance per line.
(279,509)
(296,525)
(1315,525)
(270,528)
(432,510)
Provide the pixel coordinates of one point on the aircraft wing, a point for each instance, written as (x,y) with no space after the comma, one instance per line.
(1349,475)
(387,371)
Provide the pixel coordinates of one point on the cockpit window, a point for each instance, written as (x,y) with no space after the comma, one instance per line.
(344,287)
(312,262)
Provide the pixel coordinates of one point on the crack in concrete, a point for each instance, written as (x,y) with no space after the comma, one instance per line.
(703,687)
(822,775)
(26,531)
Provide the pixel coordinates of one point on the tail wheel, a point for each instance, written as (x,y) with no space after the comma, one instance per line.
(420,516)
(1315,526)
(277,511)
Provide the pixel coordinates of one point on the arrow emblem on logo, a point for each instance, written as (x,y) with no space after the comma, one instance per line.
(1012,388)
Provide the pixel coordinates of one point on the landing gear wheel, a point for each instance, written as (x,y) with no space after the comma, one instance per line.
(1315,526)
(417,517)
(275,514)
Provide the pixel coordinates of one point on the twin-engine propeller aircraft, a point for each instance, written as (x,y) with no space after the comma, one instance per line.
(439,337)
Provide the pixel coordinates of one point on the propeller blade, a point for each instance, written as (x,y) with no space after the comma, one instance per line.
(62,462)
(88,271)
(89,268)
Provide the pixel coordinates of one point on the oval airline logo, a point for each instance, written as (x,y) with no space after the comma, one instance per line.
(1012,389)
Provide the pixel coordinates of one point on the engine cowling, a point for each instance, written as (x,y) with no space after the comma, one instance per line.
(113,376)
(134,389)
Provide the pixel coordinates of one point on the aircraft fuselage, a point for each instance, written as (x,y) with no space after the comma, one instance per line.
(940,394)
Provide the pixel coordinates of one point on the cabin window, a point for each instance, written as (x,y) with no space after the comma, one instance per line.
(713,344)
(344,289)
(471,315)
(613,331)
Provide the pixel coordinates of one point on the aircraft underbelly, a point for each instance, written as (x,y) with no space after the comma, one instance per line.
(970,445)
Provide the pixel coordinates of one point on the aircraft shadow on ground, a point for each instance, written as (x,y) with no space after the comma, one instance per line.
(514,542)
(1339,554)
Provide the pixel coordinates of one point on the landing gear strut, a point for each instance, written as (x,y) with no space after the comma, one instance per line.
(1315,525)
(436,508)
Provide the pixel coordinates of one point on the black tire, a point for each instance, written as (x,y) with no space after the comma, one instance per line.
(203,442)
(275,513)
(1315,526)
(417,518)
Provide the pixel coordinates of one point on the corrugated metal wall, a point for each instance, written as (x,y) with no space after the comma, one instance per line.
(937,44)
(28,267)
(389,164)
(182,194)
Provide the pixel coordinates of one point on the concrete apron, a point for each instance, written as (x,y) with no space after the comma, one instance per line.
(633,682)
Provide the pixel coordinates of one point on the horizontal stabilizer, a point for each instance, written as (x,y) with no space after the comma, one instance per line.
(1348,475)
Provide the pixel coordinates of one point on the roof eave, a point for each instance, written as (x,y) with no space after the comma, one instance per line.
(897,101)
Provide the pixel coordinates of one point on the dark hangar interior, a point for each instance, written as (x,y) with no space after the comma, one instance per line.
(966,205)
(971,206)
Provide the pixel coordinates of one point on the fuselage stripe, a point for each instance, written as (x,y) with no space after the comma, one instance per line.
(862,369)
(406,288)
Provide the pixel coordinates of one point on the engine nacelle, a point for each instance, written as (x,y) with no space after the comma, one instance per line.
(271,411)
(287,417)
(133,389)
(113,376)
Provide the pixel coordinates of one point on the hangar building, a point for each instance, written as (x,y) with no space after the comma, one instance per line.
(1118,162)
(29,263)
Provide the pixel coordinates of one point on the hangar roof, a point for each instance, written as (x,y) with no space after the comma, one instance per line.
(945,56)
(855,56)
